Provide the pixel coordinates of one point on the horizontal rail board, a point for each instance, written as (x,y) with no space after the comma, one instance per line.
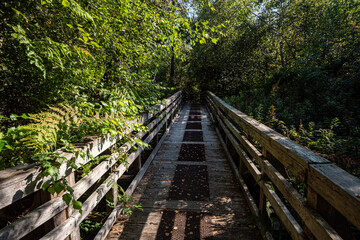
(320,228)
(20,181)
(339,188)
(68,226)
(105,229)
(31,173)
(336,186)
(291,154)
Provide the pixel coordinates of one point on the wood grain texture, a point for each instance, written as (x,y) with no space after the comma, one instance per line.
(292,155)
(339,188)
(38,216)
(226,208)
(336,186)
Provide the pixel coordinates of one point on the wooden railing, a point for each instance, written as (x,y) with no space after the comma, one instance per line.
(325,205)
(51,214)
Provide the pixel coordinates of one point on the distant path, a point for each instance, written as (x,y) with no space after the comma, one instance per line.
(189,191)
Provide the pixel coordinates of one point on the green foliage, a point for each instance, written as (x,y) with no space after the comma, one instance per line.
(301,57)
(127,201)
(70,69)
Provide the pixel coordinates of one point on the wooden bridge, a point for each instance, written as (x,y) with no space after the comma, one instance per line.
(211,173)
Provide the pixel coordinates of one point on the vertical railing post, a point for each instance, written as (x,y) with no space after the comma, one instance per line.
(137,164)
(312,201)
(262,197)
(75,235)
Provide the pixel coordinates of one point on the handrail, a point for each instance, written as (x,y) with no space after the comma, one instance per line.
(26,179)
(326,183)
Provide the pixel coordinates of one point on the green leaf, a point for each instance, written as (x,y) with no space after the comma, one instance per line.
(13,117)
(73,165)
(67,198)
(70,189)
(65,3)
(214,40)
(82,154)
(77,204)
(59,187)
(24,116)
(2,144)
(52,171)
(45,185)
(51,190)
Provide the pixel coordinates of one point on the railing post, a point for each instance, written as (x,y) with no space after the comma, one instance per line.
(137,163)
(75,235)
(329,213)
(262,197)
(112,197)
(43,197)
(241,166)
(312,201)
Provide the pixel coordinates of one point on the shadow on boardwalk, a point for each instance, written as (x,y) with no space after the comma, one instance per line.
(188,191)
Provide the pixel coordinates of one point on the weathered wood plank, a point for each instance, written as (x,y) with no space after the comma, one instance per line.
(20,181)
(40,215)
(339,188)
(291,154)
(68,226)
(320,228)
(317,225)
(284,214)
(244,188)
(105,229)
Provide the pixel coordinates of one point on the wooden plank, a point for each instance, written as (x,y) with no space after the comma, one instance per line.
(316,224)
(40,215)
(27,182)
(20,181)
(292,155)
(141,173)
(283,213)
(244,188)
(154,110)
(321,229)
(245,159)
(339,188)
(95,198)
(105,229)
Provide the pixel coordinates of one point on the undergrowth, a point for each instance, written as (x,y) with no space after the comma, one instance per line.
(322,138)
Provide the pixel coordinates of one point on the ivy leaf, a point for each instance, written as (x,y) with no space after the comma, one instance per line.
(67,198)
(51,190)
(45,185)
(59,187)
(70,189)
(52,171)
(77,204)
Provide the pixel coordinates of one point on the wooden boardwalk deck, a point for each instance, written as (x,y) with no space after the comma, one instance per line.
(189,191)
